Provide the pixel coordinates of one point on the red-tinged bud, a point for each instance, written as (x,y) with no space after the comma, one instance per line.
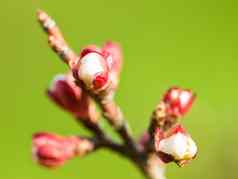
(178,101)
(93,70)
(51,150)
(66,94)
(99,69)
(175,146)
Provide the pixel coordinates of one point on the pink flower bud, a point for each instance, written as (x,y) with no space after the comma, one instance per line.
(178,101)
(70,97)
(93,70)
(176,146)
(99,69)
(51,150)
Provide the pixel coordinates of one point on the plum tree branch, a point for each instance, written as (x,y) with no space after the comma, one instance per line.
(95,74)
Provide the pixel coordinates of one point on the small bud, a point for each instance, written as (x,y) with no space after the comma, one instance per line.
(99,68)
(70,97)
(51,150)
(178,101)
(93,70)
(177,146)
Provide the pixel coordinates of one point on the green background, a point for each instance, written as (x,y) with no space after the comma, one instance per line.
(187,43)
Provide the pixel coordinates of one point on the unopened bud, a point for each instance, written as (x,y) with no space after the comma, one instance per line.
(93,70)
(178,101)
(99,68)
(51,150)
(177,146)
(66,94)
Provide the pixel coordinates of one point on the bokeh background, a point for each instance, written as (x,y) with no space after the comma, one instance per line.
(187,43)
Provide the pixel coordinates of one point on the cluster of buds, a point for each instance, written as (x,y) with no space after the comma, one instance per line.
(175,145)
(67,95)
(98,68)
(51,150)
(171,141)
(93,77)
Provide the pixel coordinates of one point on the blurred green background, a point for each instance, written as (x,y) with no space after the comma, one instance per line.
(187,43)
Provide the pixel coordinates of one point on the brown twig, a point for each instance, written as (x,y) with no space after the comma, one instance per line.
(102,140)
(56,39)
(115,117)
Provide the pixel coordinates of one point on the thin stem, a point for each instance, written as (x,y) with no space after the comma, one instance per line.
(93,127)
(115,117)
(109,144)
(155,168)
(159,120)
(102,140)
(56,39)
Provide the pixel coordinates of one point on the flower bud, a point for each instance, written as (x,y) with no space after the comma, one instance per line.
(178,101)
(51,150)
(176,146)
(93,70)
(70,97)
(99,69)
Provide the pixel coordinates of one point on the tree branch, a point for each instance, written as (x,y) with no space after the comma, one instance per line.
(147,159)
